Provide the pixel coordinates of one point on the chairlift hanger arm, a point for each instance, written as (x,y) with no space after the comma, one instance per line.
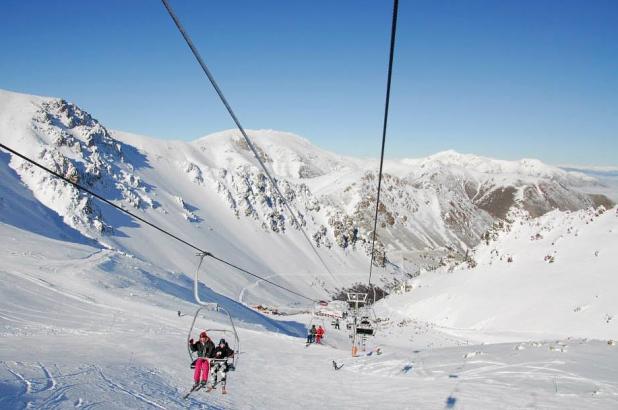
(196,283)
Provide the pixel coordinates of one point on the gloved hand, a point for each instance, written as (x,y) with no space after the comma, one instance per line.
(190,341)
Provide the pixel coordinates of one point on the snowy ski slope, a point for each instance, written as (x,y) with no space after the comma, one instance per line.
(554,276)
(87,328)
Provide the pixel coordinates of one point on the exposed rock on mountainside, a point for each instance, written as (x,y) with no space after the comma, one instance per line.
(429,207)
(78,147)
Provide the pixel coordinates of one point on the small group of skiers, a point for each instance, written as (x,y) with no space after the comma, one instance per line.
(315,335)
(207,352)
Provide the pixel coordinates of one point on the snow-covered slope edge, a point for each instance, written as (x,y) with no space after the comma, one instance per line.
(551,276)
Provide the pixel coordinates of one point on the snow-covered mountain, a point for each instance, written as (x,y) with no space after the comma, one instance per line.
(89,298)
(212,192)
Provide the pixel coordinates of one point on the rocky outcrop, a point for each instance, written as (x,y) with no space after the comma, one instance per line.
(83,151)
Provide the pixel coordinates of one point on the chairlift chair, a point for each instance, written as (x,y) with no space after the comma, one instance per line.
(317,320)
(228,332)
(363,323)
(356,300)
(365,327)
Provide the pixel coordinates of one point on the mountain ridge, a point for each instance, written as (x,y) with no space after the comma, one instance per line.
(430,207)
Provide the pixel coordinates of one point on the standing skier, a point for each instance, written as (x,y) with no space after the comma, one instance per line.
(205,349)
(311,335)
(220,364)
(319,334)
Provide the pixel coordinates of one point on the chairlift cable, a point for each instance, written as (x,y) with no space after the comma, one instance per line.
(212,80)
(386,106)
(139,218)
(368,329)
(260,277)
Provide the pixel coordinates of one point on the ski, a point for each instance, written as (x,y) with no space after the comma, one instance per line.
(193,389)
(337,366)
(214,386)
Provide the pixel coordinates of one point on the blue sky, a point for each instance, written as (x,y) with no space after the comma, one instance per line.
(506,79)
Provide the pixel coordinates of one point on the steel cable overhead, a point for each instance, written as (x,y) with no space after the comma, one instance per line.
(386,105)
(139,218)
(212,80)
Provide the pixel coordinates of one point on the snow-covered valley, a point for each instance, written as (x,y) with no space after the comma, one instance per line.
(507,273)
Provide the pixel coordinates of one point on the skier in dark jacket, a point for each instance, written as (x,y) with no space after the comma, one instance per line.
(223,351)
(311,335)
(205,349)
(220,364)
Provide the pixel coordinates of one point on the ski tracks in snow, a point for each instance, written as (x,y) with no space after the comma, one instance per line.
(146,385)
(115,386)
(20,378)
(51,382)
(32,386)
(35,385)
